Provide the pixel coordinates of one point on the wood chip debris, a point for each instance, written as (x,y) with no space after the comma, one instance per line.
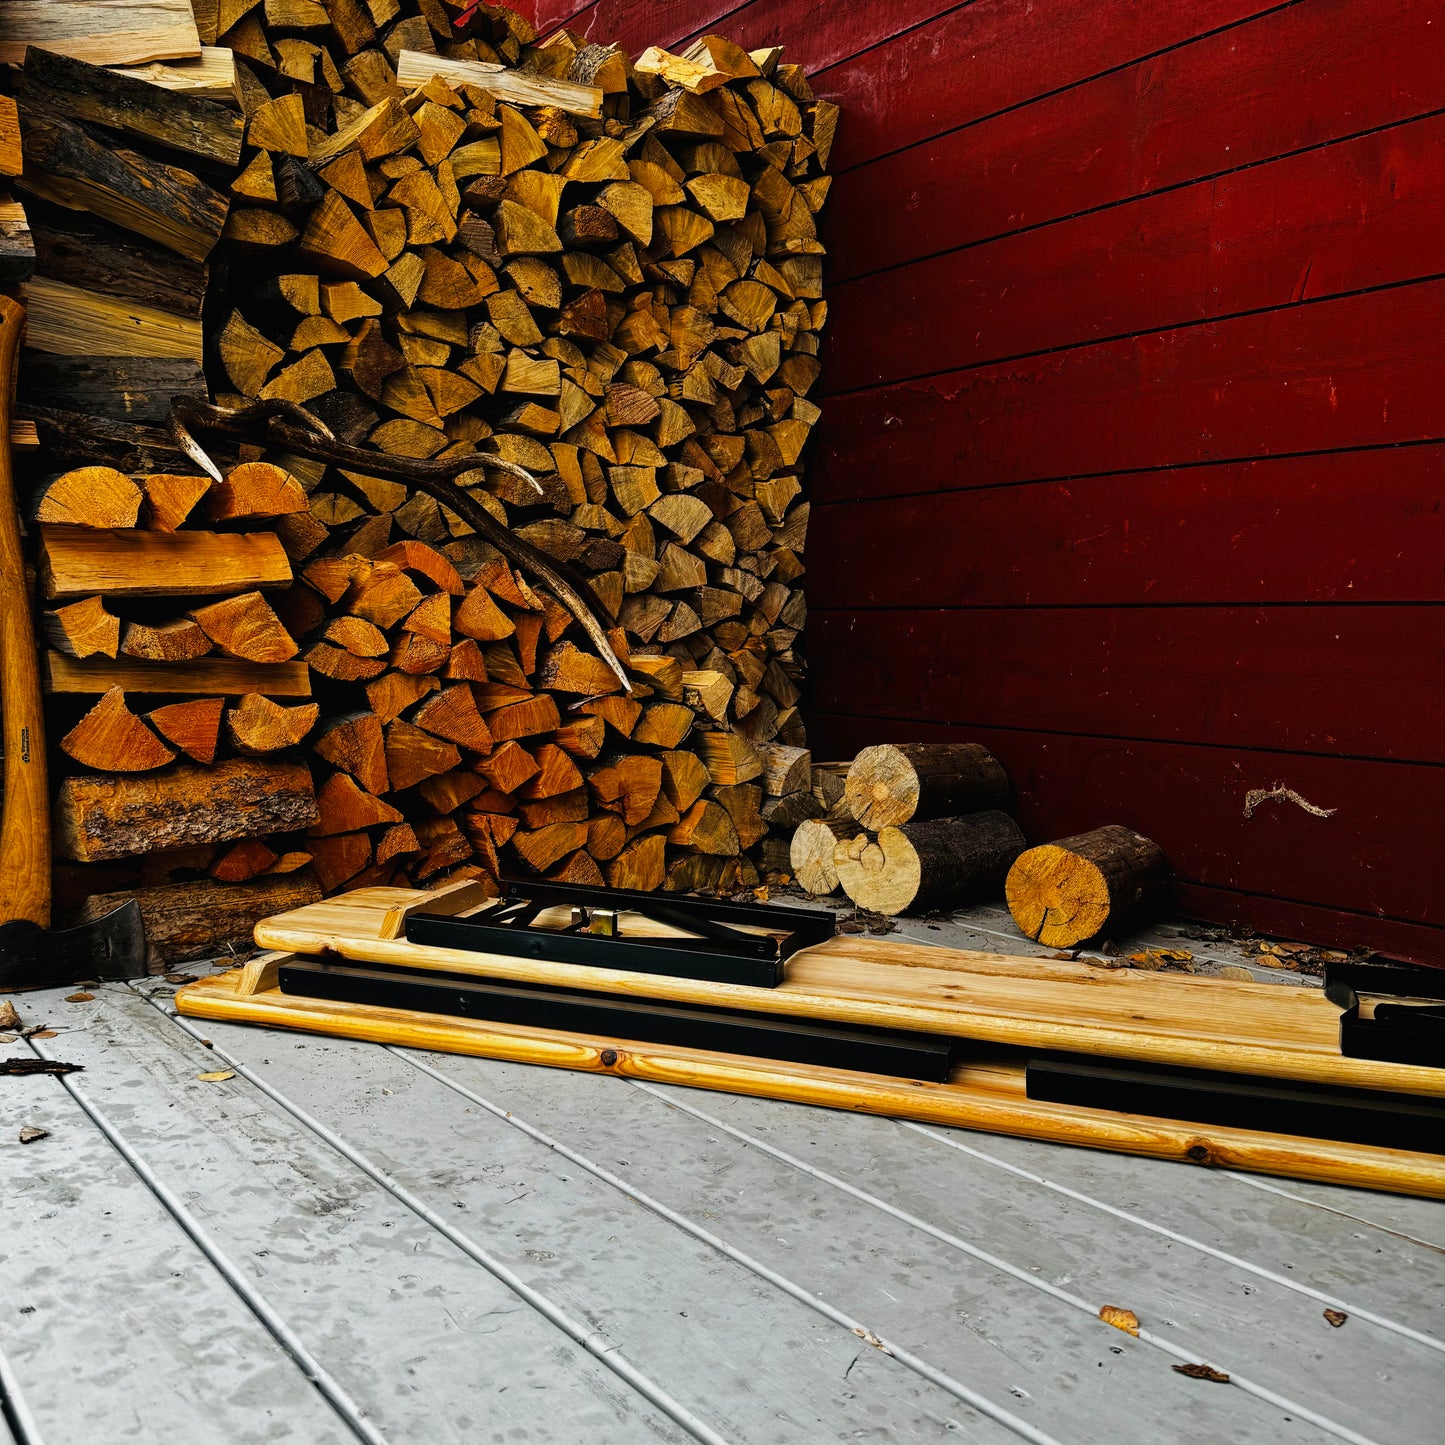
(30,1133)
(1336,1317)
(9,1019)
(37,1066)
(1120,1318)
(1201,1372)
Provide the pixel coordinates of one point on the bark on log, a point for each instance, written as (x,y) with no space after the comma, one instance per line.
(100,817)
(1077,888)
(206,919)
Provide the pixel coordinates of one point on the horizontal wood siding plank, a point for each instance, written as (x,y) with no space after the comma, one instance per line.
(1366,370)
(1348,527)
(816,34)
(1358,681)
(995,55)
(1300,76)
(1370,857)
(1363,213)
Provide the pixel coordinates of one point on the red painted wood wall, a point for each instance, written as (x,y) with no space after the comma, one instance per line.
(1133,448)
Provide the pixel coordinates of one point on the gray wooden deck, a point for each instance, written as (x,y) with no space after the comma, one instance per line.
(352,1241)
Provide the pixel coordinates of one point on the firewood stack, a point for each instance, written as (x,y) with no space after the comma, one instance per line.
(445,238)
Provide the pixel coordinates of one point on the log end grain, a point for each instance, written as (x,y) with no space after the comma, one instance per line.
(1067,892)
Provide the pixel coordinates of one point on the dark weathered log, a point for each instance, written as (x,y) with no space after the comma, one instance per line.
(206,918)
(199,129)
(66,165)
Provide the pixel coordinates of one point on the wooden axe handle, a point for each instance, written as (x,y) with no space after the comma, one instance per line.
(25,824)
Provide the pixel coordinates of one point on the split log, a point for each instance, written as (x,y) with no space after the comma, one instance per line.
(812,853)
(1078,888)
(257,725)
(929,864)
(102,817)
(83,629)
(77,562)
(88,497)
(889,784)
(194,727)
(110,736)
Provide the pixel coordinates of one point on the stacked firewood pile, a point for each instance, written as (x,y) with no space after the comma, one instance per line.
(608,276)
(910,827)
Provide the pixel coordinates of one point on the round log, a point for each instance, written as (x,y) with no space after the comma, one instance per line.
(930,864)
(894,782)
(811,853)
(1066,892)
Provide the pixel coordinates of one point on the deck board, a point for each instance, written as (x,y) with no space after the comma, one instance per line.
(388,1305)
(720,1249)
(117,1328)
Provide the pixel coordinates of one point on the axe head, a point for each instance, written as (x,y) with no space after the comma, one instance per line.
(112,946)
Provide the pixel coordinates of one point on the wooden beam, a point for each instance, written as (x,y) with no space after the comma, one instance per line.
(516,87)
(200,677)
(104,32)
(17,245)
(76,321)
(79,562)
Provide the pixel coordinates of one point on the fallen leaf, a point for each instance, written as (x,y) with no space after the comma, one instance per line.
(217,1077)
(1065,957)
(40,1034)
(1336,1317)
(8,1038)
(1202,1372)
(179,977)
(1120,1318)
(1236,973)
(9,1019)
(31,1132)
(81,997)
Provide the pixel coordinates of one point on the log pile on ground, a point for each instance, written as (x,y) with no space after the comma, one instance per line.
(448,238)
(914,827)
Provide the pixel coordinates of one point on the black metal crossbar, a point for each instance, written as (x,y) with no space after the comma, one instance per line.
(725,942)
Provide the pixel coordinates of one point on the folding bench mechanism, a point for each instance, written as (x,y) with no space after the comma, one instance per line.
(698,938)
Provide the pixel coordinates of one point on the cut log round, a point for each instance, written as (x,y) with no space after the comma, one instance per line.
(892,783)
(930,864)
(1065,892)
(811,853)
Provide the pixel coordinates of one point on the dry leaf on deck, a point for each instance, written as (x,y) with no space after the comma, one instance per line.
(9,1019)
(81,997)
(218,1076)
(31,1132)
(1336,1317)
(1236,974)
(1202,1372)
(1120,1318)
(40,1034)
